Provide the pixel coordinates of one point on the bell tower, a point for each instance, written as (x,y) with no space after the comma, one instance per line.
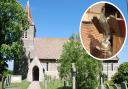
(29,34)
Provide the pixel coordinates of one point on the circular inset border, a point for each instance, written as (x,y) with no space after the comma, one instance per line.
(99,2)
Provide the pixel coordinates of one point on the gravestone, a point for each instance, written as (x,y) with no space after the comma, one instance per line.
(73,76)
(107,86)
(102,83)
(9,79)
(6,81)
(67,83)
(16,78)
(3,83)
(64,84)
(115,86)
(124,85)
(46,83)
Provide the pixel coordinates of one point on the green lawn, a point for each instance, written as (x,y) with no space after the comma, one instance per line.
(23,85)
(53,84)
(0,85)
(112,87)
(58,84)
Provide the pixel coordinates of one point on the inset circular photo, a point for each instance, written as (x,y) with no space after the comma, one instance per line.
(103,30)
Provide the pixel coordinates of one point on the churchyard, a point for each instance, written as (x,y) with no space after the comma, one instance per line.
(48,83)
(7,83)
(78,70)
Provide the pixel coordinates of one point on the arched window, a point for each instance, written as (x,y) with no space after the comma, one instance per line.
(25,34)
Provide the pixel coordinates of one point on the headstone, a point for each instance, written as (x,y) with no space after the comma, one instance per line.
(102,83)
(115,86)
(124,85)
(73,76)
(16,78)
(46,84)
(9,79)
(3,83)
(107,86)
(6,82)
(67,83)
(64,84)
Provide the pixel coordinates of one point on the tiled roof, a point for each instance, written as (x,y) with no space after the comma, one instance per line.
(47,48)
(115,58)
(50,48)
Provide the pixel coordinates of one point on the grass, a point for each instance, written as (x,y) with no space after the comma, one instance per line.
(23,85)
(112,87)
(0,85)
(58,84)
(111,84)
(53,84)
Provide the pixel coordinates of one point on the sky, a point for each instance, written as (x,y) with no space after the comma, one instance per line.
(61,18)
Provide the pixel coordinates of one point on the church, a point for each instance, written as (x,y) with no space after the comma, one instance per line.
(43,54)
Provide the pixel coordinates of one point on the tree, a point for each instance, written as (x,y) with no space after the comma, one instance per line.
(88,69)
(70,54)
(75,36)
(13,21)
(122,74)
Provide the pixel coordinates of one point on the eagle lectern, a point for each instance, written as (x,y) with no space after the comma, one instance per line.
(110,28)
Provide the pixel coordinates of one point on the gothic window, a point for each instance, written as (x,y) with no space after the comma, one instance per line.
(47,66)
(112,66)
(24,34)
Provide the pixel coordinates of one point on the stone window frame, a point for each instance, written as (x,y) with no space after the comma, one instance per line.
(25,34)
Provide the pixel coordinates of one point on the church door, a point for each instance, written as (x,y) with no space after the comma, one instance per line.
(35,73)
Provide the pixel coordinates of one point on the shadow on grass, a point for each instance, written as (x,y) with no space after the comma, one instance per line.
(23,85)
(68,87)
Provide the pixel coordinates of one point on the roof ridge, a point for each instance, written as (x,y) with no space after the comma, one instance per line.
(51,38)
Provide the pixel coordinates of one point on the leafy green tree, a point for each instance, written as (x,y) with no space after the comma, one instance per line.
(75,36)
(13,21)
(122,74)
(70,54)
(3,68)
(88,69)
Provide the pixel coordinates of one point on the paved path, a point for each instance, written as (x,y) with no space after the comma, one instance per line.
(34,85)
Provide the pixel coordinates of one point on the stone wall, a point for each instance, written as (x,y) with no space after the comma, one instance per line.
(51,68)
(110,69)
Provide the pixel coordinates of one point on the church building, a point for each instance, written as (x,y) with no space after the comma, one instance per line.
(43,54)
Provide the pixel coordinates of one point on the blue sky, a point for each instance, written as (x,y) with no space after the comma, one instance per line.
(61,18)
